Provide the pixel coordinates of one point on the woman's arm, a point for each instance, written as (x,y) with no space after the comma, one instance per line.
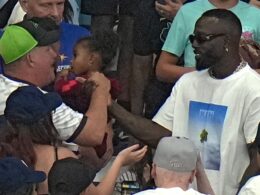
(127,156)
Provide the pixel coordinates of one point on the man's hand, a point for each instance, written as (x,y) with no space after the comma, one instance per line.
(199,167)
(250,52)
(255,3)
(101,81)
(169,9)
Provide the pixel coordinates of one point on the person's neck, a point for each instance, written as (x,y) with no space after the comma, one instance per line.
(224,4)
(173,184)
(26,77)
(225,68)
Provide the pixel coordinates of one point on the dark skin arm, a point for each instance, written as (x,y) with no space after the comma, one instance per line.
(254,155)
(141,128)
(254,166)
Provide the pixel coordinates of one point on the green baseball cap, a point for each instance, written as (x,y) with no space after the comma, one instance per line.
(15,43)
(20,38)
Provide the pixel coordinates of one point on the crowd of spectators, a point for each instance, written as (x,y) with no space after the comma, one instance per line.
(168,88)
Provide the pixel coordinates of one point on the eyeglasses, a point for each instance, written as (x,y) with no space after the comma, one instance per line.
(203,38)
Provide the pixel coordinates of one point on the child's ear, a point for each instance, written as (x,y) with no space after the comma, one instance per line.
(95,58)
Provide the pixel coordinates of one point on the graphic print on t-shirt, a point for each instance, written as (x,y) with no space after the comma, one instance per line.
(205,127)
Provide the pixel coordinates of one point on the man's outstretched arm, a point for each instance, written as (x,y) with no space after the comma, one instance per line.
(141,128)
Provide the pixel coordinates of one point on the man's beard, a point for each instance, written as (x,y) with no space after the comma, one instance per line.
(203,62)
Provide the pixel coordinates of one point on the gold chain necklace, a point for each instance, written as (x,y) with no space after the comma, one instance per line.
(238,68)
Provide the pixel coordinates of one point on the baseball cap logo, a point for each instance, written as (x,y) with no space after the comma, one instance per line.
(34,24)
(176,164)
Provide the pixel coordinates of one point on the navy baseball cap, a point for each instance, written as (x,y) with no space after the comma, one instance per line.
(14,174)
(28,104)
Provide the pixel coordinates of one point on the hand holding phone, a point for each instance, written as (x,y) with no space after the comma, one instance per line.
(168,8)
(161,2)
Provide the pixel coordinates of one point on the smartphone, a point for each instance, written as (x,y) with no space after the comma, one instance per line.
(163,1)
(129,187)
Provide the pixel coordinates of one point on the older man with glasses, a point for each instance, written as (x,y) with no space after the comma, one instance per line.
(216,107)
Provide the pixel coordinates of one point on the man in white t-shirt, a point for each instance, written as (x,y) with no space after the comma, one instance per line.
(177,42)
(252,186)
(175,167)
(30,53)
(217,107)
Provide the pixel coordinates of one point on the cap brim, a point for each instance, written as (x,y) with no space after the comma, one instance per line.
(36,177)
(49,38)
(52,100)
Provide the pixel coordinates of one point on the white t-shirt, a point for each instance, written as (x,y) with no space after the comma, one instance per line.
(169,191)
(252,187)
(64,118)
(221,116)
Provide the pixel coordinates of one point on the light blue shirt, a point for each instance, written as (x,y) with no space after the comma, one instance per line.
(177,41)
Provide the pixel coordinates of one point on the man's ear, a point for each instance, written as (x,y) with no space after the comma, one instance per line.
(153,171)
(193,173)
(30,59)
(24,5)
(227,41)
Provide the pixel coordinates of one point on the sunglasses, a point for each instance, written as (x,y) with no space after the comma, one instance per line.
(203,38)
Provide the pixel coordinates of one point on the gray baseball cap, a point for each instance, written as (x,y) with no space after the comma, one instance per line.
(176,154)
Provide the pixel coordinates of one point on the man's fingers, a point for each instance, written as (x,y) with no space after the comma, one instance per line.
(159,7)
(80,79)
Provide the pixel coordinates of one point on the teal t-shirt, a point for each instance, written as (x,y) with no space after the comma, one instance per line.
(177,41)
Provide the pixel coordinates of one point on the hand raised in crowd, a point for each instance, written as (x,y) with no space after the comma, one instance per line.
(169,9)
(131,155)
(255,3)
(203,184)
(199,166)
(250,52)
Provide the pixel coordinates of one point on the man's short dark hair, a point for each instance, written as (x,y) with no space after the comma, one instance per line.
(227,17)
